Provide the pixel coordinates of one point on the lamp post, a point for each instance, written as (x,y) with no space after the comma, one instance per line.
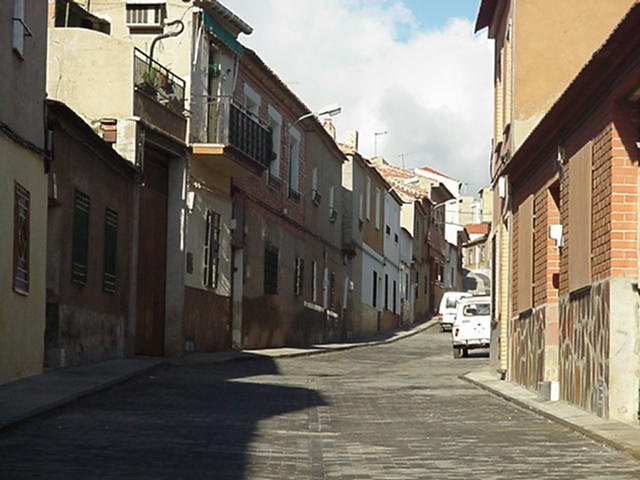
(331,110)
(408,181)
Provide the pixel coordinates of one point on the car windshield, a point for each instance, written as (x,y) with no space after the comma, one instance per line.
(476,309)
(452,302)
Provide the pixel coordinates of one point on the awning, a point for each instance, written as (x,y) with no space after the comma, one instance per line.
(223,34)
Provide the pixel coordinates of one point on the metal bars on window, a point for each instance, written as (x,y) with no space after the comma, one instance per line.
(211,249)
(299,276)
(21,236)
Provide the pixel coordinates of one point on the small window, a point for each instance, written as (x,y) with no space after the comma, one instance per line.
(294,164)
(375,289)
(110,251)
(80,240)
(21,238)
(387,229)
(386,291)
(211,249)
(148,15)
(395,287)
(426,284)
(271,270)
(451,302)
(332,291)
(299,276)
(378,208)
(417,284)
(314,282)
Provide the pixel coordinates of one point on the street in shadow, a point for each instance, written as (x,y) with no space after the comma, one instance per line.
(195,421)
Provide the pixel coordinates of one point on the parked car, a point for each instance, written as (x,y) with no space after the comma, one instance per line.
(472,326)
(447,310)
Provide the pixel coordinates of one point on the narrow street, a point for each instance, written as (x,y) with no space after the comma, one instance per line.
(396,411)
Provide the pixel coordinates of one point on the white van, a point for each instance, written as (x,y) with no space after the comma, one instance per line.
(447,310)
(472,327)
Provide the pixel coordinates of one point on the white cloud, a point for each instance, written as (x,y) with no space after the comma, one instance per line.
(430,90)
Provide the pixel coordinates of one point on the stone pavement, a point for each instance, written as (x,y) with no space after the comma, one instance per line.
(615,434)
(25,398)
(392,411)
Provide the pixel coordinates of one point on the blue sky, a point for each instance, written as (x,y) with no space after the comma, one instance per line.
(436,13)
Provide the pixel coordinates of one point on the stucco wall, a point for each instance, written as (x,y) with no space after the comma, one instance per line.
(22,317)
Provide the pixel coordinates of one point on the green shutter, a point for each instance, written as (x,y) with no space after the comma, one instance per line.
(110,251)
(80,239)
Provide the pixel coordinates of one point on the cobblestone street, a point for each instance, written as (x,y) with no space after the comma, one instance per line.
(392,412)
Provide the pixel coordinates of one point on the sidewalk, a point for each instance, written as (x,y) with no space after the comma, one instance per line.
(27,397)
(618,435)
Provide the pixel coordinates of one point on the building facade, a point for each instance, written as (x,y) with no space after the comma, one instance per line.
(23,188)
(554,273)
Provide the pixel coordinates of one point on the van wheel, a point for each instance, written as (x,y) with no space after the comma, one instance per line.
(457,352)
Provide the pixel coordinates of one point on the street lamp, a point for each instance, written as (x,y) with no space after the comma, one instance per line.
(407,182)
(331,110)
(448,202)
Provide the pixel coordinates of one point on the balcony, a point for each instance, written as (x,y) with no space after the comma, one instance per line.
(158,82)
(159,95)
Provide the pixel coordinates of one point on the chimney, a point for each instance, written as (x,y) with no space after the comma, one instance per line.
(352,139)
(329,127)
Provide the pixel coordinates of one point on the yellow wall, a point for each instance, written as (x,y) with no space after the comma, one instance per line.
(22,317)
(553,41)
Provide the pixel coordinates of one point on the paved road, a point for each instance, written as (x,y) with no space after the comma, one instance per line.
(392,412)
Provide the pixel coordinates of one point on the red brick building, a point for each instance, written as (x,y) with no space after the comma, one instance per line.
(574,188)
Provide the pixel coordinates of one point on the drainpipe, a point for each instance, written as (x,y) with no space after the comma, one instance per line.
(166,35)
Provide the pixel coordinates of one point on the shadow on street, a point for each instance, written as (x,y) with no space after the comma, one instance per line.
(184,422)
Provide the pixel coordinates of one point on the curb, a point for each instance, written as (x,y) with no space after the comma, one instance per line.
(321,350)
(554,418)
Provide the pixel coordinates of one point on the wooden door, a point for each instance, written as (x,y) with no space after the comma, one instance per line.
(152,257)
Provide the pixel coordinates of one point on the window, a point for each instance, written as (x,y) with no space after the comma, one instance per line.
(80,240)
(275,123)
(387,229)
(21,238)
(110,250)
(294,163)
(378,208)
(271,270)
(332,291)
(395,286)
(386,291)
(417,284)
(395,237)
(375,289)
(426,284)
(360,207)
(19,27)
(252,101)
(315,193)
(314,282)
(211,249)
(149,15)
(368,198)
(333,213)
(299,276)
(325,288)
(474,309)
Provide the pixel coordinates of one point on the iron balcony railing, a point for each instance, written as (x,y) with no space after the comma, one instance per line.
(231,124)
(158,82)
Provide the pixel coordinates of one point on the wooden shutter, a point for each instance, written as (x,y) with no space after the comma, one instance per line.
(525,254)
(579,241)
